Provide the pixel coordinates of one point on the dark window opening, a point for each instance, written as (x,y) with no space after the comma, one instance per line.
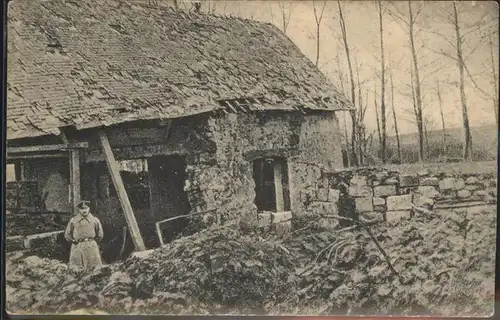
(272,192)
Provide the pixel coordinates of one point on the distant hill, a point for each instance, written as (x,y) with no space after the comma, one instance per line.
(484,142)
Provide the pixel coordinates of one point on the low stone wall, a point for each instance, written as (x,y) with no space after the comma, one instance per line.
(383,195)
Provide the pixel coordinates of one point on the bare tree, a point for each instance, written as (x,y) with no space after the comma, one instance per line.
(467,151)
(395,119)
(351,76)
(438,88)
(457,42)
(378,120)
(318,17)
(382,88)
(361,140)
(286,14)
(409,23)
(494,76)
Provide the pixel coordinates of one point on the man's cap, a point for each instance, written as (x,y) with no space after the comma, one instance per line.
(84,204)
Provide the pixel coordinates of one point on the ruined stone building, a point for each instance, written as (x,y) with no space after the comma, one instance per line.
(221,115)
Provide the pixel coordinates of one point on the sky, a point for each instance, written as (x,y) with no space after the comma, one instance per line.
(362,25)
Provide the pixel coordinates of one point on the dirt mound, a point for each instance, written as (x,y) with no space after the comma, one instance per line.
(441,264)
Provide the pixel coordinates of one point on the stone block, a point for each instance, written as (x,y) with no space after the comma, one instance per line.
(391,181)
(278,217)
(451,184)
(429,181)
(427,191)
(424,173)
(319,208)
(480,193)
(364,204)
(377,201)
(283,227)
(384,191)
(141,255)
(359,180)
(396,216)
(472,180)
(322,194)
(369,217)
(463,194)
(380,208)
(333,195)
(360,191)
(473,187)
(408,181)
(264,219)
(423,202)
(397,203)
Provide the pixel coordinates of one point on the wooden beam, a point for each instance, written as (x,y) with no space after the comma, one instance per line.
(35,156)
(122,193)
(74,177)
(49,147)
(278,187)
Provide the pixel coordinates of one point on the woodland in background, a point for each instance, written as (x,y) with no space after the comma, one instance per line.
(464,39)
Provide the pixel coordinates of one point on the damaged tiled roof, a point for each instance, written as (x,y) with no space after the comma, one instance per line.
(100,62)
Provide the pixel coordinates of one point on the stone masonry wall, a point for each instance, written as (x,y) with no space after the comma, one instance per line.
(223,180)
(384,195)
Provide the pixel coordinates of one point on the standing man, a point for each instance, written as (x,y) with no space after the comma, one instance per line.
(84,231)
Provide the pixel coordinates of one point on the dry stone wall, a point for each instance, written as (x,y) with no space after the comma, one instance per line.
(383,195)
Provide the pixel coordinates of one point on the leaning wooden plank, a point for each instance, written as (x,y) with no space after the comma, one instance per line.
(122,193)
(75,179)
(48,147)
(42,239)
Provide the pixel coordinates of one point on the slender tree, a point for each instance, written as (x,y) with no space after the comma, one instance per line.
(467,148)
(438,88)
(409,23)
(494,76)
(351,77)
(383,147)
(318,16)
(286,14)
(457,42)
(378,121)
(395,120)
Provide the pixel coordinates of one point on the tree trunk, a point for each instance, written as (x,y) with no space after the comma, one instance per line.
(353,88)
(395,120)
(382,92)
(346,142)
(426,135)
(361,116)
(467,148)
(378,123)
(494,78)
(442,117)
(418,95)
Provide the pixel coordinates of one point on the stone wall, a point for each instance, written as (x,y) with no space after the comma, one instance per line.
(383,195)
(224,179)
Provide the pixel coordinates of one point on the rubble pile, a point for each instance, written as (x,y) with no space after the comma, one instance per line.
(434,264)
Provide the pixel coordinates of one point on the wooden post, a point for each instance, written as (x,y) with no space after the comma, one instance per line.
(278,186)
(74,177)
(122,193)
